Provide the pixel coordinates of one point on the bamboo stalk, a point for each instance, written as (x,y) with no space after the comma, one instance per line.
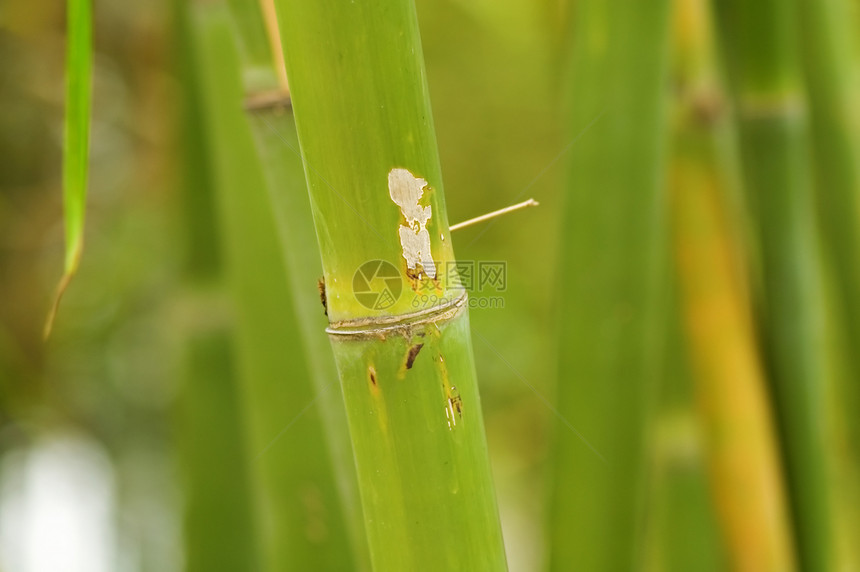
(831,80)
(682,526)
(760,50)
(830,69)
(302,524)
(268,108)
(274,129)
(218,516)
(219,528)
(742,447)
(611,274)
(398,327)
(683,533)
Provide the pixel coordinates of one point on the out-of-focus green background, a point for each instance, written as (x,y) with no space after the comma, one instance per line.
(90,465)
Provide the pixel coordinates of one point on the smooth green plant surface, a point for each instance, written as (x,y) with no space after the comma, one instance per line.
(76,138)
(762,57)
(219,527)
(270,116)
(828,43)
(611,275)
(302,524)
(277,143)
(79,64)
(738,431)
(220,532)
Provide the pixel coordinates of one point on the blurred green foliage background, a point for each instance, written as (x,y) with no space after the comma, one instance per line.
(109,395)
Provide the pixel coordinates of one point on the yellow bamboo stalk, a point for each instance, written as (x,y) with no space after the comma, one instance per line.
(741,440)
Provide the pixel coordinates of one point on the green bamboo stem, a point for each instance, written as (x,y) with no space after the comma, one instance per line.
(219,529)
(683,529)
(685,533)
(831,80)
(406,367)
(758,40)
(830,69)
(269,110)
(302,524)
(743,452)
(273,129)
(611,274)
(218,516)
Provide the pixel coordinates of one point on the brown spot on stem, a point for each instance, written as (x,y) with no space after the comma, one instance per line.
(321,288)
(412,354)
(708,106)
(414,277)
(453,407)
(453,401)
(371,374)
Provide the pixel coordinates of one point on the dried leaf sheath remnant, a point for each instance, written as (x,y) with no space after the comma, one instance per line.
(406,190)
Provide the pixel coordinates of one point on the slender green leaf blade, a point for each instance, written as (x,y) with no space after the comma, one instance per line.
(77,127)
(76,138)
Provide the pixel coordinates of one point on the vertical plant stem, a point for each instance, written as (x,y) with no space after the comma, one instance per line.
(303,527)
(743,450)
(268,107)
(681,521)
(275,130)
(762,58)
(831,76)
(398,325)
(219,527)
(611,274)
